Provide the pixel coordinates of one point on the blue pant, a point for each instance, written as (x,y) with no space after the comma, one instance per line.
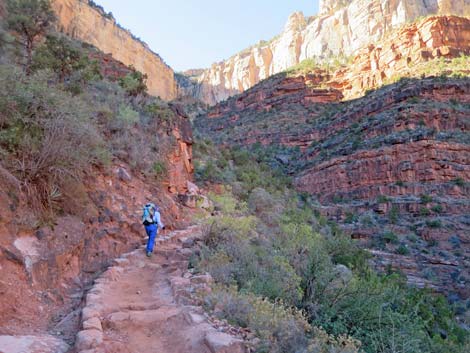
(152,231)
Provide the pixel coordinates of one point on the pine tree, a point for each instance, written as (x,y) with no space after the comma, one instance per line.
(29,20)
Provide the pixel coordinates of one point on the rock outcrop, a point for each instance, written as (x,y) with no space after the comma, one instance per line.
(340,29)
(91,25)
(180,161)
(403,52)
(51,264)
(392,164)
(258,108)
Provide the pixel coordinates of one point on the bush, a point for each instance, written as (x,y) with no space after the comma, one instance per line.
(393,214)
(160,170)
(437,208)
(425,199)
(134,82)
(280,329)
(382,199)
(265,206)
(435,223)
(424,211)
(127,115)
(403,250)
(390,237)
(459,182)
(303,262)
(48,135)
(67,59)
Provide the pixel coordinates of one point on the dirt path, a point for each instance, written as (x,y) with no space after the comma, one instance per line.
(144,305)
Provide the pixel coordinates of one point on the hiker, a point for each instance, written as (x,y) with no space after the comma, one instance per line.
(152,221)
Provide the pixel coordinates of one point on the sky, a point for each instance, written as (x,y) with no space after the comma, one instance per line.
(192,34)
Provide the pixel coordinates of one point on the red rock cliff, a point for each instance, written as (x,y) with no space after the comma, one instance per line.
(90,25)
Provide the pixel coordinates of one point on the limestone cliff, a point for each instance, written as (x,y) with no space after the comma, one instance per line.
(89,24)
(340,29)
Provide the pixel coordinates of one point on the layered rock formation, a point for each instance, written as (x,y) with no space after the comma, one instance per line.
(403,52)
(340,29)
(260,108)
(391,167)
(180,161)
(90,25)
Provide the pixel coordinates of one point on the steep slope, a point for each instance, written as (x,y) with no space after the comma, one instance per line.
(51,265)
(49,252)
(91,25)
(415,50)
(278,109)
(339,30)
(391,167)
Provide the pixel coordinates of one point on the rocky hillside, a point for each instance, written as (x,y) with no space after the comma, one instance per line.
(80,155)
(92,25)
(391,166)
(338,31)
(431,47)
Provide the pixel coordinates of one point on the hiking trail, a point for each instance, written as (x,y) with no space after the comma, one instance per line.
(145,305)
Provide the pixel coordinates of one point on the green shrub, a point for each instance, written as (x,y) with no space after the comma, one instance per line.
(435,223)
(134,82)
(305,262)
(382,199)
(160,170)
(437,208)
(459,182)
(127,115)
(403,250)
(48,135)
(162,112)
(351,218)
(424,211)
(394,214)
(281,329)
(227,204)
(30,20)
(337,199)
(390,237)
(67,59)
(425,199)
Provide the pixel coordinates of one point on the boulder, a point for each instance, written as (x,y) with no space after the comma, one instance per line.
(93,324)
(219,342)
(123,174)
(32,344)
(88,339)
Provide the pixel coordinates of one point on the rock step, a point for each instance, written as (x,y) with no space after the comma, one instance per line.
(143,302)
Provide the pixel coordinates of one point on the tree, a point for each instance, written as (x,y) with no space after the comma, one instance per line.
(134,82)
(29,20)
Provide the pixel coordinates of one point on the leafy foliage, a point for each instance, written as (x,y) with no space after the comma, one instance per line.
(66,58)
(29,19)
(47,134)
(268,245)
(62,121)
(134,82)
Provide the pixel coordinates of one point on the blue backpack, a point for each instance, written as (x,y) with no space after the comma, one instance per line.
(148,213)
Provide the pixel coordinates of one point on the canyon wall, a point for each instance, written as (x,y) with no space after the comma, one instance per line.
(91,25)
(340,29)
(405,52)
(391,167)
